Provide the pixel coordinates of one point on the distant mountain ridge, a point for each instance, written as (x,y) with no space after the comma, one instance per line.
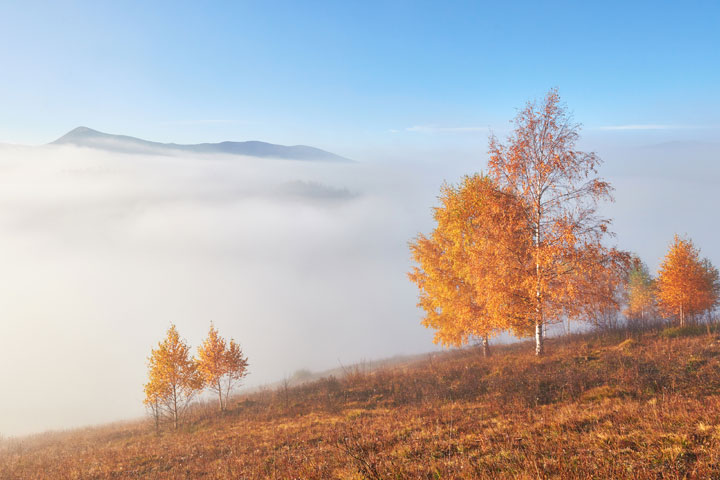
(87,137)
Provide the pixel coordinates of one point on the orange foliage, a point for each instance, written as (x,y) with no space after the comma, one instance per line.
(173,378)
(687,285)
(572,271)
(524,246)
(470,266)
(221,364)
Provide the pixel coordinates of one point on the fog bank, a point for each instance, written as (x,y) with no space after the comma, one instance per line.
(303,263)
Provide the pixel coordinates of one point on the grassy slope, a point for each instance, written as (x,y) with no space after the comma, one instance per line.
(612,406)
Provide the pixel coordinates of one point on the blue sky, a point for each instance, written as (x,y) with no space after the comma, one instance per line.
(355,76)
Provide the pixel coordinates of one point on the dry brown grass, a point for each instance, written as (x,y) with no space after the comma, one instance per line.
(620,405)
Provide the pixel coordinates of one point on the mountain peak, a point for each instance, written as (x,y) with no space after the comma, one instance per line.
(87,137)
(81,136)
(81,129)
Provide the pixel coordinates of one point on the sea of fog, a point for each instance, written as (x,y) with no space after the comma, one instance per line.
(303,263)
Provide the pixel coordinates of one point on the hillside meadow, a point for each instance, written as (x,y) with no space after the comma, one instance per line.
(620,404)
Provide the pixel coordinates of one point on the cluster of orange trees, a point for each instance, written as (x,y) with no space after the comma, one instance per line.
(686,287)
(524,246)
(175,377)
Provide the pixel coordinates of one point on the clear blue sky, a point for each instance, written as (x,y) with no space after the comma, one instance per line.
(345,75)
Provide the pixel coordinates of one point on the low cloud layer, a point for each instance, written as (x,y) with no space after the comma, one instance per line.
(303,263)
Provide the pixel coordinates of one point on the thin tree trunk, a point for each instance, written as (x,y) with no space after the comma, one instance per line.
(175,408)
(539,348)
(539,340)
(682,316)
(485,346)
(219,387)
(156,414)
(539,320)
(228,387)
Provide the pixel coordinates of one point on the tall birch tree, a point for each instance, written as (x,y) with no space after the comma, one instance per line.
(559,188)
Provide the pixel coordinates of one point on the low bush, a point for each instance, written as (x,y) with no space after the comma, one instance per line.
(686,331)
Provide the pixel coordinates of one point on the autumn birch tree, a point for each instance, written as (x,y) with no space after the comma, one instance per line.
(560,191)
(640,292)
(469,267)
(221,364)
(687,285)
(173,377)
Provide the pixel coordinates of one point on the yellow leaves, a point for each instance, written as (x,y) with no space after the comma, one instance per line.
(640,289)
(172,367)
(175,377)
(686,284)
(221,364)
(522,246)
(468,268)
(555,184)
(211,356)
